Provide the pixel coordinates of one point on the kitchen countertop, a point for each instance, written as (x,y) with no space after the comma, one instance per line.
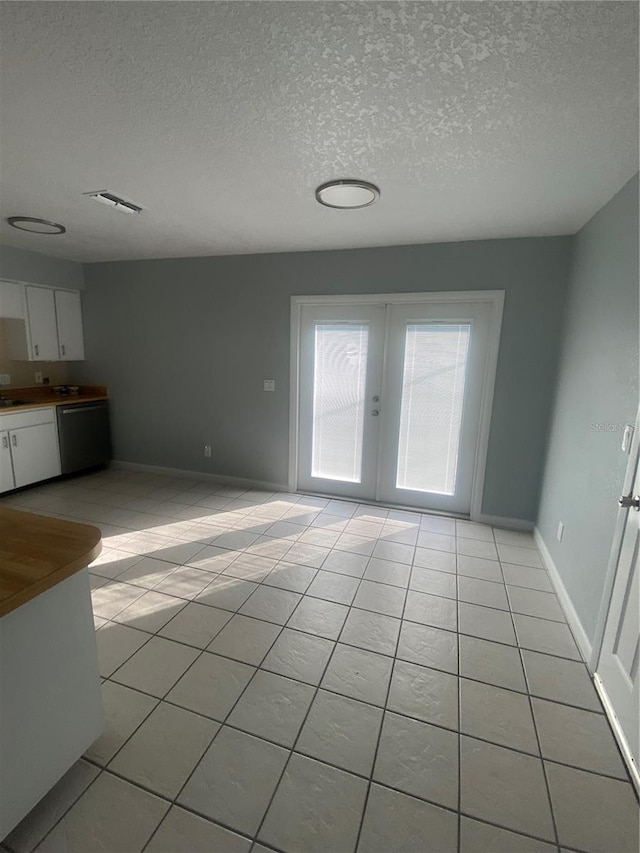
(43,395)
(37,552)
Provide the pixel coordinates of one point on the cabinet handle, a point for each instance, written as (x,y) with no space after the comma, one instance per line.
(14,439)
(5,442)
(36,349)
(63,350)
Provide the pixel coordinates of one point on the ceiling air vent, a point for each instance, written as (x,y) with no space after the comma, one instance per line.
(115,201)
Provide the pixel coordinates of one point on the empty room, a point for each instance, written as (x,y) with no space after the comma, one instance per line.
(319,427)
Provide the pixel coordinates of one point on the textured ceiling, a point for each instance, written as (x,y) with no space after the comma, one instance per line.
(477,120)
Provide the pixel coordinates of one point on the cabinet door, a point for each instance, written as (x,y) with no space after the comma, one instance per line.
(6,468)
(42,324)
(11,305)
(35,453)
(69,319)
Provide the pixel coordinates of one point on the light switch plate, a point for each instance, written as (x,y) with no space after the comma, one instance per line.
(5,379)
(269,384)
(38,377)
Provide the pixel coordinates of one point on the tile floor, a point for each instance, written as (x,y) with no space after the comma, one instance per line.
(316,676)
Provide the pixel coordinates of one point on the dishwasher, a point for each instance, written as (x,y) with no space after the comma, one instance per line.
(84,434)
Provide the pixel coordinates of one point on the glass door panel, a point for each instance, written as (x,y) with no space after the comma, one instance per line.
(340,372)
(433,385)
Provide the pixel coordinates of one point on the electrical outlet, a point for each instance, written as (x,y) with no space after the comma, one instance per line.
(207,451)
(38,376)
(560,532)
(269,384)
(5,379)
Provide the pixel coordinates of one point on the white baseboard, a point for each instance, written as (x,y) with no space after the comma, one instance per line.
(240,482)
(507,523)
(580,635)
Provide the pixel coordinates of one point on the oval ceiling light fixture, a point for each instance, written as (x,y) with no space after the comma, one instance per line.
(347,194)
(35,225)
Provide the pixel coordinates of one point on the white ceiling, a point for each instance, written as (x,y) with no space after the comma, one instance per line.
(477,120)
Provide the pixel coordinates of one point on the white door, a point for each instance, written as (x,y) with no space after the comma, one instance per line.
(341,358)
(42,324)
(436,358)
(69,322)
(390,400)
(35,453)
(618,664)
(6,469)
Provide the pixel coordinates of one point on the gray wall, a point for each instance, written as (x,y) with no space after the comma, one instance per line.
(598,384)
(23,265)
(184,345)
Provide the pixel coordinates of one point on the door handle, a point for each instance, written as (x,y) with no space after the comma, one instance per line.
(36,349)
(376,399)
(63,350)
(375,413)
(5,442)
(629,502)
(14,439)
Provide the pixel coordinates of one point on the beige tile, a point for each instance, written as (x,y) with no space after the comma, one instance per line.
(316,616)
(245,639)
(290,576)
(541,635)
(430,558)
(380,598)
(300,656)
(124,709)
(426,694)
(532,602)
(486,623)
(372,631)
(334,587)
(359,674)
(342,732)
(196,625)
(527,577)
(272,707)
(183,830)
(593,813)
(156,667)
(226,592)
(476,548)
(484,593)
(398,822)
(270,604)
(212,686)
(429,646)
(386,571)
(560,680)
(235,780)
(476,837)
(30,831)
(500,716)
(520,556)
(493,663)
(116,643)
(431,610)
(316,808)
(164,750)
(504,787)
(150,611)
(418,759)
(111,815)
(433,582)
(477,567)
(580,738)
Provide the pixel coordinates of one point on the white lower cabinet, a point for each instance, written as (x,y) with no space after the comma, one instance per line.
(6,468)
(32,453)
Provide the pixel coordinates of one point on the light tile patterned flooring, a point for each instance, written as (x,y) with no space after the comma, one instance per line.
(316,676)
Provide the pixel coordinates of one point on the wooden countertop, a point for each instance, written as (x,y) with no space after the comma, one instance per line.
(42,395)
(37,552)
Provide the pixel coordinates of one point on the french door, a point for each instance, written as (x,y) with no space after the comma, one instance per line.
(391,398)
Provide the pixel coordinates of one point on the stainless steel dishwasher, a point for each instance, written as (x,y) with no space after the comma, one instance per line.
(85,437)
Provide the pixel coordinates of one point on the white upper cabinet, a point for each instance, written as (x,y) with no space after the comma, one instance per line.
(41,318)
(41,323)
(69,322)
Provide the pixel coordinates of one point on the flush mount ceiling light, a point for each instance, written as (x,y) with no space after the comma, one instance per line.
(347,194)
(36,226)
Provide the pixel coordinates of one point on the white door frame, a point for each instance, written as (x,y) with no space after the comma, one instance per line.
(495,298)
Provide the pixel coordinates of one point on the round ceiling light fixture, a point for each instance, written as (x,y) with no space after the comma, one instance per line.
(35,225)
(347,194)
